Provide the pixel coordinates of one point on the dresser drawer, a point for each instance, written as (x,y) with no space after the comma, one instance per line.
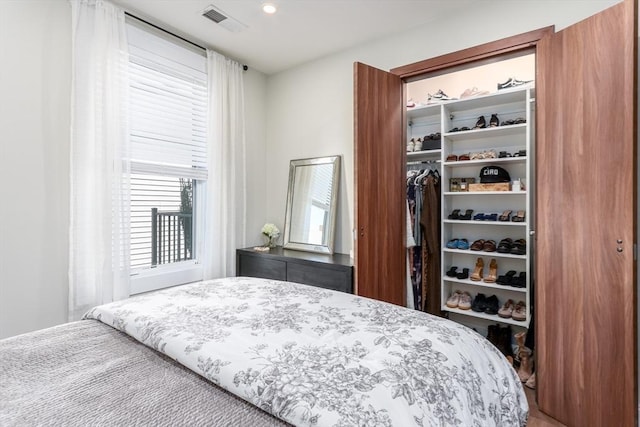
(262,267)
(338,280)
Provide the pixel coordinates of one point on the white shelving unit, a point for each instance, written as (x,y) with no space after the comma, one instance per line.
(508,105)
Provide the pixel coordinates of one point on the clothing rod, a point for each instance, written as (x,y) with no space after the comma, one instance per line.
(244,67)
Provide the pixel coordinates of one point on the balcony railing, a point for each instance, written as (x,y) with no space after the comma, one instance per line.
(171,237)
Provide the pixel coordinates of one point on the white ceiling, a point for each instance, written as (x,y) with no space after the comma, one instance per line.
(301,30)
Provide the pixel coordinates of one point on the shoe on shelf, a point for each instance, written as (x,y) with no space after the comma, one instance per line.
(464,274)
(465,301)
(493,272)
(506,215)
(478,272)
(452,158)
(463,244)
(494,122)
(477,245)
(464,157)
(410,103)
(467,215)
(518,217)
(492,305)
(479,303)
(512,82)
(519,311)
(452,272)
(504,155)
(519,247)
(454,299)
(439,96)
(507,279)
(489,246)
(507,309)
(520,281)
(478,217)
(454,214)
(469,93)
(452,244)
(481,123)
(491,217)
(505,246)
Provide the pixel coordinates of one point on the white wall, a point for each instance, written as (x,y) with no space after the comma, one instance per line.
(35,81)
(309,108)
(34,163)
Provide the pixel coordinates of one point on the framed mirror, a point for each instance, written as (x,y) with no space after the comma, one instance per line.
(312,198)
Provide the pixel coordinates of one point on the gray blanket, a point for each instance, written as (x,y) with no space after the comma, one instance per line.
(87,374)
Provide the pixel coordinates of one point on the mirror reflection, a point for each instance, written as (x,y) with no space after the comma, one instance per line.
(311,204)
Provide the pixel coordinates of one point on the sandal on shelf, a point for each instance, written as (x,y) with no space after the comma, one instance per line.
(518,217)
(476,156)
(505,246)
(452,271)
(478,217)
(454,214)
(463,244)
(452,244)
(481,123)
(494,122)
(464,274)
(489,154)
(519,247)
(520,153)
(507,279)
(489,246)
(466,216)
(464,157)
(505,216)
(504,154)
(520,281)
(452,158)
(477,245)
(491,217)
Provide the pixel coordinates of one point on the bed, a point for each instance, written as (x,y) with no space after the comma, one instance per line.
(254,352)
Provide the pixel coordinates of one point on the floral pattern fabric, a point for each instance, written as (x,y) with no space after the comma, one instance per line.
(316,357)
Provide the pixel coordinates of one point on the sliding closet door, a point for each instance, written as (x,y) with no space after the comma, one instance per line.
(380,220)
(586,198)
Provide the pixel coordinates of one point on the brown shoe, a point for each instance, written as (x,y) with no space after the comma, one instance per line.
(477,245)
(477,274)
(489,246)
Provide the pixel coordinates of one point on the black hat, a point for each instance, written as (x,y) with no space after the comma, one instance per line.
(491,174)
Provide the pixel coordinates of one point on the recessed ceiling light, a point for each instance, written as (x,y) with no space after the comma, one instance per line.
(269,8)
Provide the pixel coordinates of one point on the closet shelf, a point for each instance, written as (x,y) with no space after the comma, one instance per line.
(501,97)
(424,155)
(483,254)
(484,284)
(487,193)
(491,317)
(497,223)
(473,134)
(463,163)
(424,111)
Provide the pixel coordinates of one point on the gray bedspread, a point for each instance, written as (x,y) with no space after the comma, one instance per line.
(88,374)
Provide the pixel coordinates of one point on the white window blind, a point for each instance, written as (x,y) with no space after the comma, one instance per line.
(168,108)
(168,130)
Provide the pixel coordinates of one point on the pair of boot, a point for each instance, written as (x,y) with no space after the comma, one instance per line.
(501,338)
(525,355)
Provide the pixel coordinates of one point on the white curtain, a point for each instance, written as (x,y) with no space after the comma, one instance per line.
(224,212)
(98,235)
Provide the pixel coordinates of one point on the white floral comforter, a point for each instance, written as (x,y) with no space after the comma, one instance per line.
(315,357)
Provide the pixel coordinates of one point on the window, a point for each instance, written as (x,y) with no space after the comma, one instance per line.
(168,130)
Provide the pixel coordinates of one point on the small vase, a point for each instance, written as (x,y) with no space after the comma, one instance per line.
(271,242)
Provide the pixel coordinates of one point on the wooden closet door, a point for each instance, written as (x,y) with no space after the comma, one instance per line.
(585,233)
(380,220)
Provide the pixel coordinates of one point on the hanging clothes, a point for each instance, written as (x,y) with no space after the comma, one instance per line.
(430,224)
(411,242)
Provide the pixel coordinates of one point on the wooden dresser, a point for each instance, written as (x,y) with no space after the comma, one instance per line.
(325,271)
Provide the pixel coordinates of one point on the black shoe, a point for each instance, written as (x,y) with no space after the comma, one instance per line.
(464,274)
(494,122)
(492,305)
(452,272)
(481,123)
(479,303)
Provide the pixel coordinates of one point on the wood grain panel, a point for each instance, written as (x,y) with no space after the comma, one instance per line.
(494,50)
(380,195)
(585,287)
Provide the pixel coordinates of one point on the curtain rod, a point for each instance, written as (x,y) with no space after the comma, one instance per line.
(244,67)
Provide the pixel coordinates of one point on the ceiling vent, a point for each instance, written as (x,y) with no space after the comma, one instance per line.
(222,19)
